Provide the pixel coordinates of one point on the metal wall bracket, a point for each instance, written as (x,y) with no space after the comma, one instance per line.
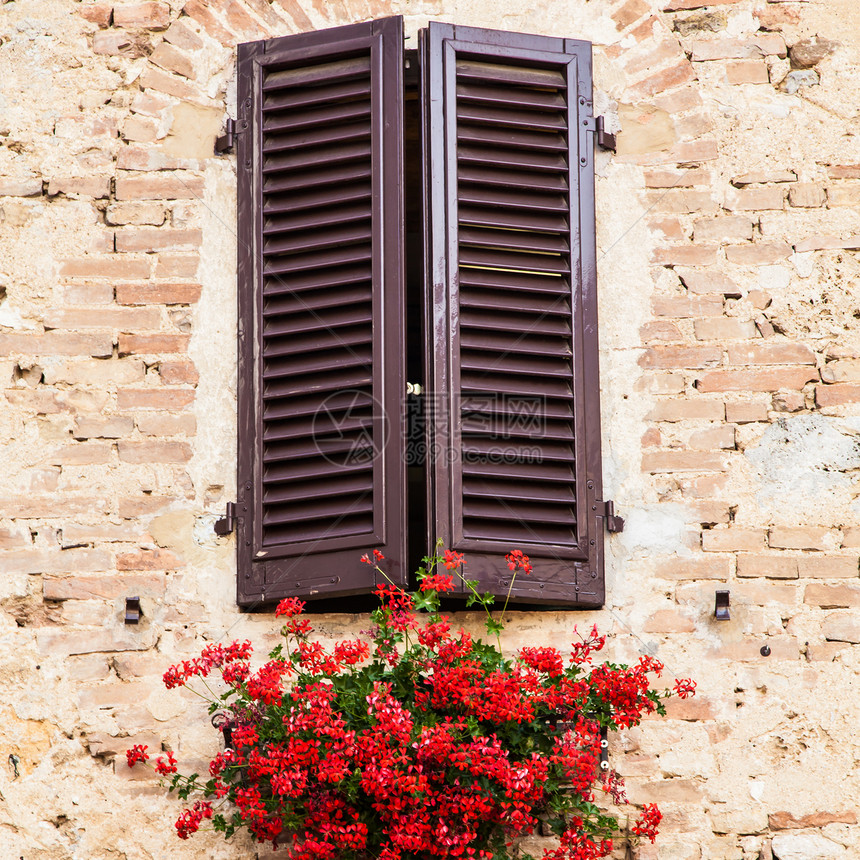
(614,524)
(227,523)
(132,610)
(604,139)
(721,606)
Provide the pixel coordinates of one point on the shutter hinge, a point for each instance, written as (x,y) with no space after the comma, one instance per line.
(605,140)
(232,129)
(226,524)
(613,523)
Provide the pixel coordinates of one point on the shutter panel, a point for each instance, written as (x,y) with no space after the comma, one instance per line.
(512,310)
(321,280)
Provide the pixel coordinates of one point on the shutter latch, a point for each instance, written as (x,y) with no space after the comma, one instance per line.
(226,524)
(613,523)
(605,140)
(232,129)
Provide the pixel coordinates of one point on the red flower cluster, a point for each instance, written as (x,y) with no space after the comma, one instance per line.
(647,824)
(517,561)
(424,743)
(684,688)
(135,754)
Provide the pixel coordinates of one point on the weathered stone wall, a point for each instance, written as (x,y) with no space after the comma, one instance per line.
(729,225)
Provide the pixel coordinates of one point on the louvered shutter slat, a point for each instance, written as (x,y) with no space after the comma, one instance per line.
(512,242)
(320,469)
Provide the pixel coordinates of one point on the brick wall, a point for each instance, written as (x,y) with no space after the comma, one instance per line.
(729,225)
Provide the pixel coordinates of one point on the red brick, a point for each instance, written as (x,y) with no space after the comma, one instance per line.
(760,254)
(113,427)
(56,343)
(732,539)
(806,195)
(167,424)
(708,282)
(730,228)
(110,266)
(29,187)
(154,452)
(124,318)
(664,80)
(756,380)
(156,293)
(832,596)
(846,370)
(756,198)
(152,15)
(54,561)
(844,171)
(140,128)
(661,382)
(82,454)
(178,372)
(786,821)
(656,331)
(173,59)
(698,568)
(687,410)
(88,294)
(156,239)
(649,56)
(154,398)
(682,461)
(828,566)
(801,537)
(687,307)
(724,328)
(177,265)
(761,176)
(159,187)
(677,178)
(685,255)
(143,504)
(676,5)
(746,72)
(768,566)
(703,487)
(120,42)
(122,214)
(97,13)
(152,344)
(818,242)
(668,621)
(770,353)
(681,201)
(52,507)
(630,13)
(713,439)
(102,587)
(837,395)
(844,194)
(680,356)
(148,559)
(95,373)
(181,35)
(80,186)
(164,82)
(738,49)
(670,227)
(143,158)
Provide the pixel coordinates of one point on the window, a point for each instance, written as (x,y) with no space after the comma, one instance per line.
(417,217)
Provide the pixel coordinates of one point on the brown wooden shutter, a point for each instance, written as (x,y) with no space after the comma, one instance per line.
(513,374)
(321,375)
